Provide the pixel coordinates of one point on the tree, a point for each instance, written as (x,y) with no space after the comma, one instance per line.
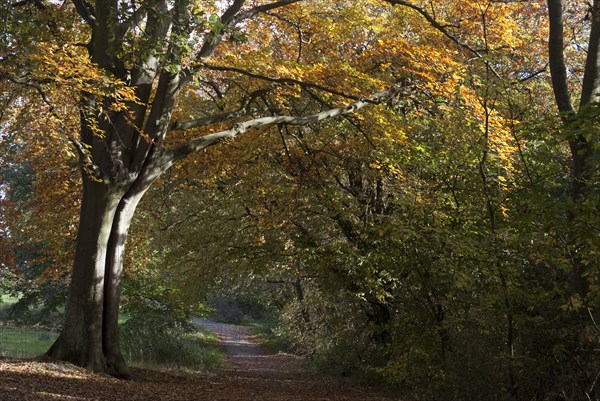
(141,58)
(437,208)
(581,142)
(572,56)
(580,130)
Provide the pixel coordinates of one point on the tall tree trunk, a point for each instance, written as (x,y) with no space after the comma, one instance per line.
(112,284)
(90,335)
(582,148)
(80,341)
(581,143)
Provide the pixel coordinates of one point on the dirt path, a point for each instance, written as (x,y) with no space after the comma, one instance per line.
(250,374)
(277,377)
(236,340)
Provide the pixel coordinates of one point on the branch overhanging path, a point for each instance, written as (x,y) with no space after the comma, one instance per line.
(205,141)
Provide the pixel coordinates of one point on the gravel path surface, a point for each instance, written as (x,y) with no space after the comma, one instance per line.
(236,340)
(279,377)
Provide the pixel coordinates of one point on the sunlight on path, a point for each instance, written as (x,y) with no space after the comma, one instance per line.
(263,376)
(236,340)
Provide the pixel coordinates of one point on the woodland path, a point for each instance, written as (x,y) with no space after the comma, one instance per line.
(237,341)
(249,374)
(278,377)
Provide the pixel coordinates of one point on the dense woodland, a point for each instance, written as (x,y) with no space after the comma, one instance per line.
(408,191)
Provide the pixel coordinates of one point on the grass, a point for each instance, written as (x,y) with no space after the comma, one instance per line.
(22,342)
(204,346)
(25,342)
(196,350)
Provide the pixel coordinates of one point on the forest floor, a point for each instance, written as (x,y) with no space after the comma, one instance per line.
(249,374)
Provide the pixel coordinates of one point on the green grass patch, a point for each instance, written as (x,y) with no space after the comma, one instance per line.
(198,350)
(25,342)
(21,341)
(146,342)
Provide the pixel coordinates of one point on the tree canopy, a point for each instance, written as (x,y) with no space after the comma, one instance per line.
(411,187)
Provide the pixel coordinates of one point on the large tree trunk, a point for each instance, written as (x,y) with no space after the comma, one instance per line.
(112,284)
(90,335)
(582,148)
(80,341)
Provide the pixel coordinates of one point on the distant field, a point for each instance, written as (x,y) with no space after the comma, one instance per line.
(25,342)
(22,342)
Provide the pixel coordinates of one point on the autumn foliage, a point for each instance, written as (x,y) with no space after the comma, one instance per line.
(390,179)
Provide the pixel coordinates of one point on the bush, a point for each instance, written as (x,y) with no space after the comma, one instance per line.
(32,302)
(155,337)
(272,335)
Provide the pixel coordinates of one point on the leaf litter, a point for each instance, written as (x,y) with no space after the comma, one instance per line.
(263,377)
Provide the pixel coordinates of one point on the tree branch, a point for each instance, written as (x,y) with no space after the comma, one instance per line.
(534,74)
(298,30)
(591,78)
(105,41)
(284,81)
(230,18)
(86,11)
(86,160)
(37,3)
(558,70)
(134,20)
(37,85)
(214,38)
(441,28)
(435,24)
(269,7)
(173,155)
(204,121)
(347,117)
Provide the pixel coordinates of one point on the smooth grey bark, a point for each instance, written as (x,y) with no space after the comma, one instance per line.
(117,169)
(591,79)
(240,128)
(583,144)
(80,340)
(112,283)
(558,68)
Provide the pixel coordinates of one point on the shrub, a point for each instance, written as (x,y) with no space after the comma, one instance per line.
(156,337)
